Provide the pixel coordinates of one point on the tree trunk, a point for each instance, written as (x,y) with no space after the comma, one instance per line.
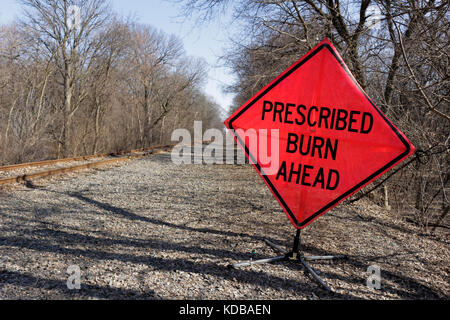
(68,92)
(97,126)
(162,131)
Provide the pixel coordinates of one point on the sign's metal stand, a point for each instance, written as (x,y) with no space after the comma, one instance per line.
(293,255)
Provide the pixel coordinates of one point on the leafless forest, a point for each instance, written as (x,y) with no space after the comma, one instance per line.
(399,53)
(99,84)
(111,84)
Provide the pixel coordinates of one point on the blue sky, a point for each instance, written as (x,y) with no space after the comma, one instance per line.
(205,40)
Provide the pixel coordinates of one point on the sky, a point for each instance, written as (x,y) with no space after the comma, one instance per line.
(200,40)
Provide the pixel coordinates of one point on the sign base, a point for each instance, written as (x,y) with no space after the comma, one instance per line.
(293,255)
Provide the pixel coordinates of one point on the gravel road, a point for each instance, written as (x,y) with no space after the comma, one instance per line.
(149,229)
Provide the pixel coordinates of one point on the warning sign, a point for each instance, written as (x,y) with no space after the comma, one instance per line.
(332,139)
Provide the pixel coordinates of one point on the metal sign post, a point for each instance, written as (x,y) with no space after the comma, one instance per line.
(293,255)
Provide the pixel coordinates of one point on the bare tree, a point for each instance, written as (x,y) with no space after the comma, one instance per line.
(50,23)
(76,79)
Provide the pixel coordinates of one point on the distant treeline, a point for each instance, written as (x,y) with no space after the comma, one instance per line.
(77,79)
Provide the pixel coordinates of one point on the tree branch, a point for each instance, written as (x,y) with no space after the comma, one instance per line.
(416,82)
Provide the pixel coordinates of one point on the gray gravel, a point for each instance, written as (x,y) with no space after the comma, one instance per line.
(149,229)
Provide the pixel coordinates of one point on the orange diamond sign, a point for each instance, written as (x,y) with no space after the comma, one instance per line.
(332,140)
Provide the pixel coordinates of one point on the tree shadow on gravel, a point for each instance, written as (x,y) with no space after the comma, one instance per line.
(373,220)
(86,291)
(70,238)
(132,216)
(410,288)
(47,240)
(249,276)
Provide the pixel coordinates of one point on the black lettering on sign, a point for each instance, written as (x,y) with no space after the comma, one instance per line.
(341,120)
(313,146)
(320,117)
(288,113)
(279,108)
(308,176)
(318,144)
(333,117)
(302,116)
(323,117)
(292,141)
(331,149)
(297,173)
(311,123)
(352,121)
(320,179)
(363,123)
(282,171)
(308,148)
(267,107)
(332,173)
